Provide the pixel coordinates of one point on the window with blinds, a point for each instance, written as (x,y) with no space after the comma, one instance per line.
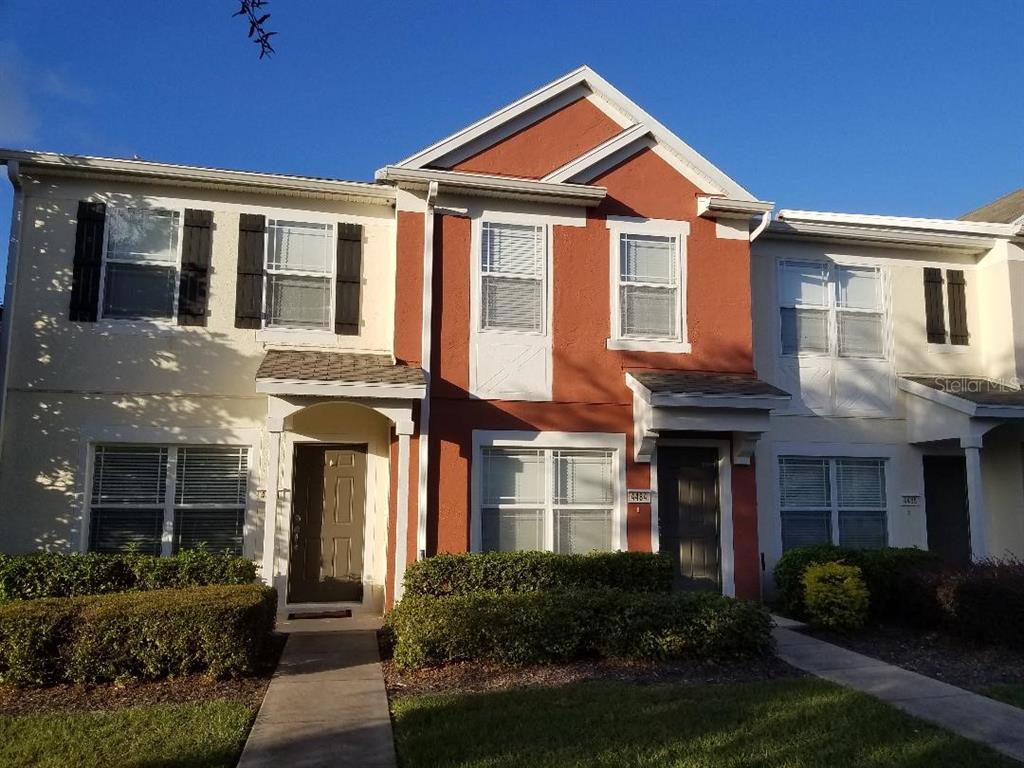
(649,287)
(300,273)
(828,309)
(140,263)
(539,499)
(822,498)
(160,499)
(512,267)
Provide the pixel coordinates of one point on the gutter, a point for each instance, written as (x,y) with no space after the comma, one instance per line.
(495,186)
(426,351)
(51,163)
(13,260)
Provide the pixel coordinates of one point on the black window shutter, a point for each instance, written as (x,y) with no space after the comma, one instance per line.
(349,279)
(956,289)
(249,284)
(194,284)
(934,313)
(88,261)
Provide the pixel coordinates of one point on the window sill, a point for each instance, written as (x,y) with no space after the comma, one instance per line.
(949,349)
(649,345)
(298,336)
(115,327)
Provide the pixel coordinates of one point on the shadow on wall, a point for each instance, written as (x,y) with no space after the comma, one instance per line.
(69,377)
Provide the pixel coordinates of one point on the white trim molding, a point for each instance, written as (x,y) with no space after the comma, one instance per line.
(613,441)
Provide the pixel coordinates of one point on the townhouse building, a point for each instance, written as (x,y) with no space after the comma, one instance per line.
(560,328)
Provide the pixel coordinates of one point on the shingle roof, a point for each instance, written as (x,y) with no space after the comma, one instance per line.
(974,389)
(305,365)
(698,383)
(1006,210)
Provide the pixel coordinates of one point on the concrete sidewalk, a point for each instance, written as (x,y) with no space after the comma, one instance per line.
(971,715)
(326,704)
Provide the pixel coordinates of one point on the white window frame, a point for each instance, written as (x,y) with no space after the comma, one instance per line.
(550,442)
(478,275)
(141,321)
(332,260)
(680,230)
(833,507)
(246,440)
(832,309)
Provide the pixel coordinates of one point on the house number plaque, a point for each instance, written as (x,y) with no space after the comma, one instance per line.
(639,496)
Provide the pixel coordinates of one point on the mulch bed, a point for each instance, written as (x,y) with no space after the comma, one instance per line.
(472,677)
(935,654)
(180,690)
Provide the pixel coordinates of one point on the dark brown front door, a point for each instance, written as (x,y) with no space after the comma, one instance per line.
(945,503)
(688,515)
(327,524)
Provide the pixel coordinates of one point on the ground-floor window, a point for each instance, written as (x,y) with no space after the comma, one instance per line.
(163,499)
(561,500)
(823,500)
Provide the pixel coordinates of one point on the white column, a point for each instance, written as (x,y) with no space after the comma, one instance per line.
(976,502)
(402,508)
(270,502)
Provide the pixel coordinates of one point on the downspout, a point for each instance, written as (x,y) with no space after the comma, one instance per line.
(766,219)
(13,250)
(425,355)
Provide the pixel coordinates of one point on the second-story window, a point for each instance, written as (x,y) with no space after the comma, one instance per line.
(512,278)
(648,293)
(300,273)
(828,309)
(140,264)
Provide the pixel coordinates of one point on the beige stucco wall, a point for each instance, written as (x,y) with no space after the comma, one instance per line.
(995,297)
(72,383)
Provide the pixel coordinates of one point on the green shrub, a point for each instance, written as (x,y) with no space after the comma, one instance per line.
(789,574)
(889,574)
(49,574)
(509,572)
(219,630)
(835,596)
(985,602)
(559,625)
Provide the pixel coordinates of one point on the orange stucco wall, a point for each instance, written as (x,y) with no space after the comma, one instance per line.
(546,145)
(409,287)
(588,388)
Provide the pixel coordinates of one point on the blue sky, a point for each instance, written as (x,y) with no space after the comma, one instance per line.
(910,108)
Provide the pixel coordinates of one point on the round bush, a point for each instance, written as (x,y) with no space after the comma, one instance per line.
(835,596)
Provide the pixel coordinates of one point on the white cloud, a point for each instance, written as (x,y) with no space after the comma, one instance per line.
(18,121)
(20,88)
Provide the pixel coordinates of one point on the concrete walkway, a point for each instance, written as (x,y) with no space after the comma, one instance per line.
(326,704)
(971,715)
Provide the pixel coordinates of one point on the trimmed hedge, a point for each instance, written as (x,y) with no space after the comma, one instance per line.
(220,630)
(888,574)
(516,572)
(836,597)
(984,601)
(559,625)
(47,574)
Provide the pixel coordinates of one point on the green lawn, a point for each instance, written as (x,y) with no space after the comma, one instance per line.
(204,735)
(1010,693)
(799,723)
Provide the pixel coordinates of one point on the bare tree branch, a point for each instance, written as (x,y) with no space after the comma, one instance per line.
(252,10)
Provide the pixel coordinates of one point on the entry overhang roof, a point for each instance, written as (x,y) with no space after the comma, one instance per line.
(341,374)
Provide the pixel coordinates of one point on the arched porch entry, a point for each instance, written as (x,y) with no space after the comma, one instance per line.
(331,472)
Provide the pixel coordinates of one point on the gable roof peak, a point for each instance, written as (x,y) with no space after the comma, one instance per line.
(549,98)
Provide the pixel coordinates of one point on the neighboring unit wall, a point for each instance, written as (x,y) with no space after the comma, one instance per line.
(72,382)
(872,423)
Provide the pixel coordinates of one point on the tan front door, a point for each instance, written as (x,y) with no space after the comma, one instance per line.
(329,498)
